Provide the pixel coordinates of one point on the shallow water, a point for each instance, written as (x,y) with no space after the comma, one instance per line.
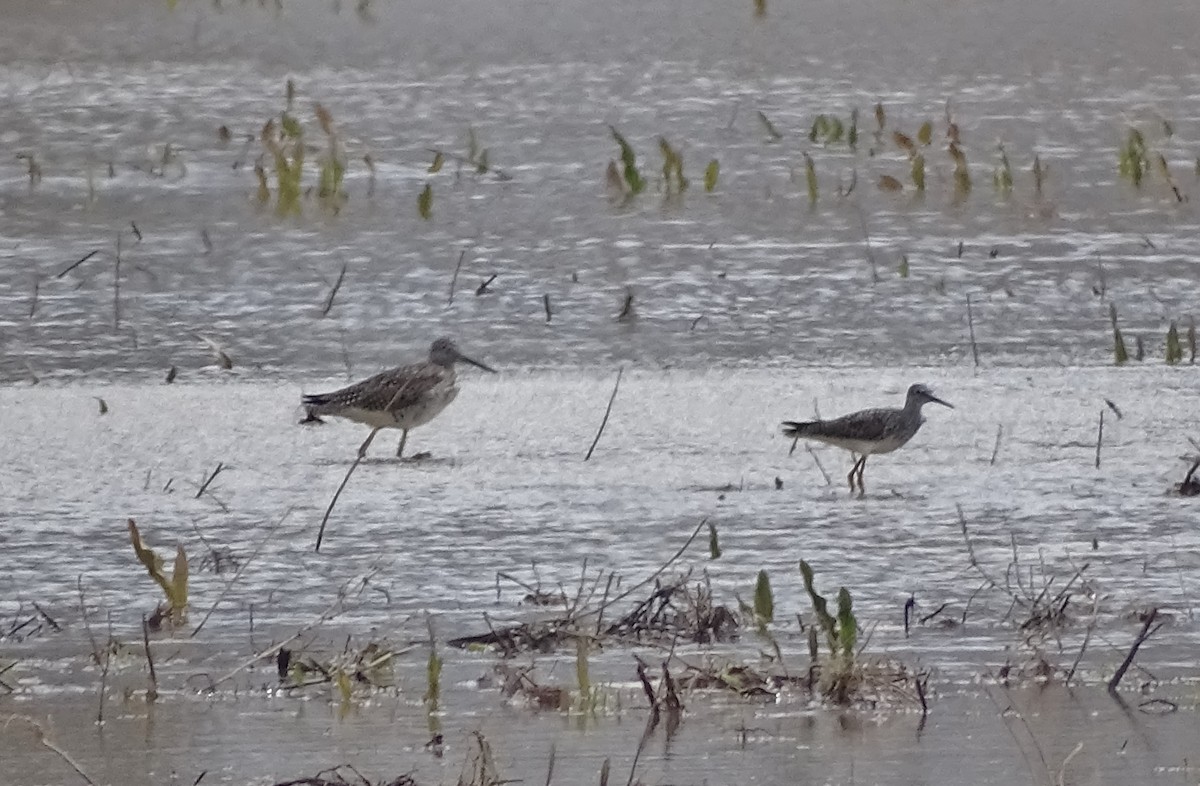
(750,306)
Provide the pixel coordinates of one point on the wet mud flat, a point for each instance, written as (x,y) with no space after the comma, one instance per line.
(1008,578)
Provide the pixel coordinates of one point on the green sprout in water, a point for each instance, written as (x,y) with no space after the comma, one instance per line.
(1174,348)
(711,173)
(1002,177)
(425,202)
(1119,352)
(764,599)
(840,673)
(633,178)
(672,169)
(174,587)
(1132,163)
(810,178)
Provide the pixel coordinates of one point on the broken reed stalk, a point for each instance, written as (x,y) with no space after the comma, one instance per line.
(333,292)
(362,452)
(1137,643)
(77,263)
(204,486)
(238,574)
(1099,438)
(607,410)
(51,746)
(104,674)
(454,278)
(996,447)
(117,286)
(971,328)
(546,306)
(87,625)
(152,692)
(33,301)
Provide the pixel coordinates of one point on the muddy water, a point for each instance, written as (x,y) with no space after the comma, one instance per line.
(750,306)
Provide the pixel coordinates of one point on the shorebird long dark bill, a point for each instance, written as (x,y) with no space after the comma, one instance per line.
(937,400)
(491,370)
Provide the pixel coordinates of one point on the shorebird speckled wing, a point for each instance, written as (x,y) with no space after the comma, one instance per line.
(870,431)
(401,398)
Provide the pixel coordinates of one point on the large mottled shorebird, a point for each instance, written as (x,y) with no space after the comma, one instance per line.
(870,431)
(402,398)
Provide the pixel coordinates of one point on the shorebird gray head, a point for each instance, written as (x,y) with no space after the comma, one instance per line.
(920,395)
(444,352)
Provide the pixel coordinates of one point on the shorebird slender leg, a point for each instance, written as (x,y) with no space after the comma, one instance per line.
(853,470)
(403,439)
(862,465)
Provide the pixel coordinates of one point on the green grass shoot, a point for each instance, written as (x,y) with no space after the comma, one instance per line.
(1132,161)
(903,269)
(672,168)
(425,202)
(1174,348)
(880,118)
(582,673)
(962,174)
(433,679)
(175,586)
(760,8)
(711,173)
(925,133)
(633,178)
(435,166)
(764,599)
(852,133)
(918,173)
(810,179)
(1039,175)
(714,543)
(1002,177)
(1120,354)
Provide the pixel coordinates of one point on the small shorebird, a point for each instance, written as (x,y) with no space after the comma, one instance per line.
(403,398)
(870,431)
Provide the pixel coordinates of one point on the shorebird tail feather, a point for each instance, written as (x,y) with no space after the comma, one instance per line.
(793,428)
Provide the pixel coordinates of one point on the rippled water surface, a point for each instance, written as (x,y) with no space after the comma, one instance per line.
(750,305)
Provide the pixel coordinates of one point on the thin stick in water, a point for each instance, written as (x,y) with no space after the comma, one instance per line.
(1137,643)
(454,278)
(971,328)
(117,286)
(1099,438)
(362,451)
(546,305)
(333,292)
(996,447)
(607,410)
(152,692)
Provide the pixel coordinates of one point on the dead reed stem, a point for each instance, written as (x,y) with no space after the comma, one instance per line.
(40,731)
(1146,633)
(996,447)
(241,569)
(1099,438)
(454,278)
(607,410)
(152,693)
(362,451)
(333,292)
(971,329)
